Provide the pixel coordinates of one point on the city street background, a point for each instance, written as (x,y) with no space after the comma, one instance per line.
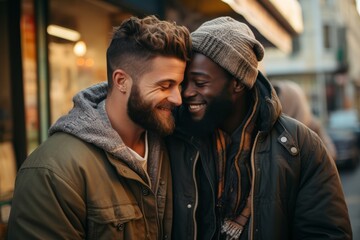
(313,43)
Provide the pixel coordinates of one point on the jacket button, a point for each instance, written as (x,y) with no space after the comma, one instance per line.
(189,205)
(165,236)
(293,150)
(145,191)
(120,227)
(283,139)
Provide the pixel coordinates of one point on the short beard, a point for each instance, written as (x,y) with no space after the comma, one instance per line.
(215,115)
(142,113)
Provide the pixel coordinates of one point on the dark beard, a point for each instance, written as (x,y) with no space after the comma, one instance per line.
(215,115)
(143,114)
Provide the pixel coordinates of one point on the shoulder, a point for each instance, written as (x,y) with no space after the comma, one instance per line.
(297,135)
(60,148)
(310,148)
(296,128)
(65,156)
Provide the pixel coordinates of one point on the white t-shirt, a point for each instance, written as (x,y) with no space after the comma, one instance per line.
(143,160)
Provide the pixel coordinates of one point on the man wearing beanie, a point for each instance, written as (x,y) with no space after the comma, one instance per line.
(241,169)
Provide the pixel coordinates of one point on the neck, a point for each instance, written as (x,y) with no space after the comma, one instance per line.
(131,134)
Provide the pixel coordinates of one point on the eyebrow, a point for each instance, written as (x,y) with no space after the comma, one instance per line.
(200,74)
(166,80)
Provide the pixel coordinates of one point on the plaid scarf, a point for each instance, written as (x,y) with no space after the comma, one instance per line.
(234,176)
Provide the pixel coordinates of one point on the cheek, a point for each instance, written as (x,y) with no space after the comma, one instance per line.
(211,92)
(154,98)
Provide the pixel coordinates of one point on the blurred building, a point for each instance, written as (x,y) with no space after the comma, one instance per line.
(51,49)
(324,59)
(275,22)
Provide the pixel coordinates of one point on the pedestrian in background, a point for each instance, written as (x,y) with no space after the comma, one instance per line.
(295,104)
(104,171)
(241,169)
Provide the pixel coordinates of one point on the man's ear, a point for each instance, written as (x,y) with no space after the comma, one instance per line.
(237,85)
(121,80)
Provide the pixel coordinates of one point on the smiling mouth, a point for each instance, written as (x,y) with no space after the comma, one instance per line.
(196,107)
(165,109)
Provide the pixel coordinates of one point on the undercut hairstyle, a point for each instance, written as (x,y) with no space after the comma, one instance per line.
(136,41)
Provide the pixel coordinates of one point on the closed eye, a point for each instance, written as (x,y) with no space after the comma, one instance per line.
(200,84)
(166,85)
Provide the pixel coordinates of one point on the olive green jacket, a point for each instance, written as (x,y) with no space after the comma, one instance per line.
(84,183)
(69,189)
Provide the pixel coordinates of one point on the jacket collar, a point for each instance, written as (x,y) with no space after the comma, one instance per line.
(270,107)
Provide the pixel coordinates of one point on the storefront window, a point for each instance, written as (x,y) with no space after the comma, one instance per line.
(76,54)
(78,41)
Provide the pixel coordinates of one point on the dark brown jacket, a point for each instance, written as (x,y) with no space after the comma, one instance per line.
(297,193)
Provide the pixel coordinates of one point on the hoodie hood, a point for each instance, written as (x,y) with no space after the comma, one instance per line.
(89,121)
(270,107)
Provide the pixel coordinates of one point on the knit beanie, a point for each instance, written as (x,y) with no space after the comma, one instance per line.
(232,45)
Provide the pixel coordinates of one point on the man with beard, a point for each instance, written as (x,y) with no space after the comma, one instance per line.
(104,171)
(255,173)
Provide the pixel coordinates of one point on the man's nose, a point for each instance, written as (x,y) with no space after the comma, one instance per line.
(188,91)
(175,97)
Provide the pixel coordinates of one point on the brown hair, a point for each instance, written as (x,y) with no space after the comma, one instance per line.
(136,41)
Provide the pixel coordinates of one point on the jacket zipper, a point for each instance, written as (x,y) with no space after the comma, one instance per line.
(160,224)
(196,194)
(253,186)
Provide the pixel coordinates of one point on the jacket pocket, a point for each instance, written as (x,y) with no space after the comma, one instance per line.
(116,222)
